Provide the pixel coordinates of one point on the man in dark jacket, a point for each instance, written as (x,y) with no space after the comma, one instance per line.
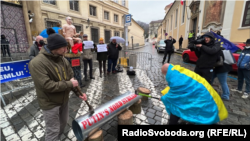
(168,49)
(53,79)
(36,47)
(208,54)
(113,54)
(5,46)
(180,42)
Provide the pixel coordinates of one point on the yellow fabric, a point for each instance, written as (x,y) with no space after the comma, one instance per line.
(101,39)
(165,91)
(223,114)
(190,35)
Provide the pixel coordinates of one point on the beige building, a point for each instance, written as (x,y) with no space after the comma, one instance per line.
(100,18)
(137,32)
(229,17)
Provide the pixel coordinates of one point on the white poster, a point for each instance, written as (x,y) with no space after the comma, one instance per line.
(102,48)
(88,44)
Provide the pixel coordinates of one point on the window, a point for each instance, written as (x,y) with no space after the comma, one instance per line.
(78,28)
(92,10)
(176,17)
(183,12)
(50,1)
(116,18)
(51,24)
(74,5)
(116,1)
(246,16)
(106,15)
(123,3)
(117,33)
(171,22)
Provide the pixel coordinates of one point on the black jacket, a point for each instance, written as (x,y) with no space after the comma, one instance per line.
(4,42)
(225,67)
(208,54)
(113,52)
(180,40)
(169,46)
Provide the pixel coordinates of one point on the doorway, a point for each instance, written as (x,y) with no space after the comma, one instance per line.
(94,35)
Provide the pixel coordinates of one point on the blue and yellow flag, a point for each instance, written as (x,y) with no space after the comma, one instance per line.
(190,97)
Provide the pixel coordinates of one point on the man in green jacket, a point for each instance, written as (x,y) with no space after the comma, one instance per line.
(53,79)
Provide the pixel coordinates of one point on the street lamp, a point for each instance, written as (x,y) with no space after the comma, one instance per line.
(132,42)
(88,23)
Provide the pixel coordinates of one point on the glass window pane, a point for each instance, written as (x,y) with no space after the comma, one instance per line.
(248,17)
(94,10)
(247,21)
(248,11)
(76,6)
(71,4)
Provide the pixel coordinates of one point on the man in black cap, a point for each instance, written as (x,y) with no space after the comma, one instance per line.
(5,46)
(244,70)
(87,58)
(53,79)
(208,54)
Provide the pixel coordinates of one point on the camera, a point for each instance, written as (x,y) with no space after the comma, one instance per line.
(199,40)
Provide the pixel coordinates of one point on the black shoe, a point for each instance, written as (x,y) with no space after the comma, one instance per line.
(92,77)
(101,75)
(86,79)
(83,86)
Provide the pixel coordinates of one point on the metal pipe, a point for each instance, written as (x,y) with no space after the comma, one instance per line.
(83,125)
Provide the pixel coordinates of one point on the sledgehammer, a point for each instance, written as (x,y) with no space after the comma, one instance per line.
(91,109)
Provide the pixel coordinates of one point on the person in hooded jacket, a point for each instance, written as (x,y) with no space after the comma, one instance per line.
(169,48)
(208,54)
(5,46)
(244,71)
(221,73)
(36,47)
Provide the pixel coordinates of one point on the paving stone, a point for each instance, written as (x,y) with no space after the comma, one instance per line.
(158,123)
(158,118)
(148,114)
(159,113)
(23,131)
(151,121)
(106,126)
(8,131)
(151,111)
(32,123)
(70,134)
(13,137)
(5,124)
(114,123)
(28,137)
(239,112)
(143,123)
(113,131)
(3,119)
(109,137)
(158,108)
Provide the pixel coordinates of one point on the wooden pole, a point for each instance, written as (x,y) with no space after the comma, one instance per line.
(97,136)
(125,118)
(136,108)
(144,91)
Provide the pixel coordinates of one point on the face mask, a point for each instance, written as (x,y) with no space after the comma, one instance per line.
(247,46)
(41,42)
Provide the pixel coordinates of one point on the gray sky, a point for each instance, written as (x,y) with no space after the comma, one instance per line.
(148,10)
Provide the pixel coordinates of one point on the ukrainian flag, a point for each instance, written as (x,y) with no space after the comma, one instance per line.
(192,98)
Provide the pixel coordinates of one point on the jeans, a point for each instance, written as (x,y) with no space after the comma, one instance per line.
(85,67)
(243,73)
(222,77)
(110,62)
(55,122)
(5,48)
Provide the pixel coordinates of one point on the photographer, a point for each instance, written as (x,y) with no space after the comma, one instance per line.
(169,48)
(207,51)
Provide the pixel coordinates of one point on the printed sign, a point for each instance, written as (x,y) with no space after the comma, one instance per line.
(75,62)
(102,48)
(88,44)
(14,70)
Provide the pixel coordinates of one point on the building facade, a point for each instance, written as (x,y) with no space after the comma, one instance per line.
(97,19)
(232,18)
(153,28)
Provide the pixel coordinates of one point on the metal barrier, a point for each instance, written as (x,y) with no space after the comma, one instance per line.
(139,60)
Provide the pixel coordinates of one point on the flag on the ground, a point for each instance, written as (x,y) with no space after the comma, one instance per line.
(182,2)
(190,97)
(225,43)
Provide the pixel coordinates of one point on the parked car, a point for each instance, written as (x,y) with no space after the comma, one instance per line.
(188,55)
(160,46)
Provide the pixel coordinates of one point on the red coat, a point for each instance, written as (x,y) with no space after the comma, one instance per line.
(76,47)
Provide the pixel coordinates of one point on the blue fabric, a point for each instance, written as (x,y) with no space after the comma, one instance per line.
(226,44)
(222,77)
(110,62)
(189,99)
(244,59)
(44,32)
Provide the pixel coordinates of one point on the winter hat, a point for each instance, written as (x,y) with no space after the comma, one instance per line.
(101,39)
(248,41)
(55,40)
(85,35)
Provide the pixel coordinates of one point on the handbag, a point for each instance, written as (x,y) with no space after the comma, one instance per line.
(229,58)
(220,62)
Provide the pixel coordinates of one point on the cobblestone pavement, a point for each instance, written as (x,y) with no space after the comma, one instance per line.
(22,118)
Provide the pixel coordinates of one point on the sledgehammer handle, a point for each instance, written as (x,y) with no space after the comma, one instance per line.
(80,92)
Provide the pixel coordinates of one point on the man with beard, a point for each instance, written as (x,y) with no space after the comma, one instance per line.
(53,79)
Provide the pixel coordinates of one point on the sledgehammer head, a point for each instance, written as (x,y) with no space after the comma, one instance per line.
(91,109)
